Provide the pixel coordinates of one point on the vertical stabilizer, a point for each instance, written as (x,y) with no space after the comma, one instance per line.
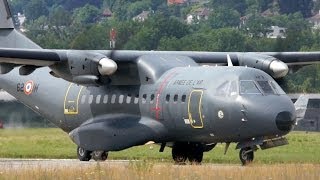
(6,21)
(9,37)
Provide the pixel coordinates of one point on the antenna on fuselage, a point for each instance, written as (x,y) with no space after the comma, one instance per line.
(229,60)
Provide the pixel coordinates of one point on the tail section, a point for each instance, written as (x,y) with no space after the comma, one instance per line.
(5,16)
(9,37)
(301,106)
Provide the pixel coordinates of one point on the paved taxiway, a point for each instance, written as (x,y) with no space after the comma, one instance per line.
(74,163)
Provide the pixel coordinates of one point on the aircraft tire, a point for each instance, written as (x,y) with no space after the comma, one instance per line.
(99,155)
(195,156)
(179,153)
(83,155)
(246,155)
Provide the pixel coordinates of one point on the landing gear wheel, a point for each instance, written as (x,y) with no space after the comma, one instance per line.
(178,154)
(246,155)
(99,155)
(83,155)
(195,156)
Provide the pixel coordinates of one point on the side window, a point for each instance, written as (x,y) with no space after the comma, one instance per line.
(98,99)
(144,99)
(183,98)
(151,98)
(129,97)
(121,97)
(90,99)
(136,99)
(175,98)
(113,98)
(167,98)
(105,99)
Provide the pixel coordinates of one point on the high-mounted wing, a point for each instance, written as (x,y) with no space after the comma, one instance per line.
(96,67)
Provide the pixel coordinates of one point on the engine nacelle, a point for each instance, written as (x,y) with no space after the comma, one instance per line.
(269,64)
(84,68)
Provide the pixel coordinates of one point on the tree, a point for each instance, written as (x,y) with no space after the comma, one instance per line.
(87,14)
(35,8)
(223,17)
(302,6)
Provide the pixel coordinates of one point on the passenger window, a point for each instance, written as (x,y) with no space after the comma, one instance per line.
(105,99)
(144,99)
(175,98)
(265,86)
(113,99)
(168,98)
(83,99)
(183,98)
(90,99)
(129,99)
(136,99)
(98,99)
(249,87)
(121,97)
(151,98)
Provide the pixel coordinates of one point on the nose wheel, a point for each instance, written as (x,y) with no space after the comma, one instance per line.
(246,155)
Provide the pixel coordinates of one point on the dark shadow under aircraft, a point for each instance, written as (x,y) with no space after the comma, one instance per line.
(113,100)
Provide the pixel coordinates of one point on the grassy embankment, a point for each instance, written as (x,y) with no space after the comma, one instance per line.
(53,143)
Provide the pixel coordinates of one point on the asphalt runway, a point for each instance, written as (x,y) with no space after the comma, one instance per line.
(53,163)
(75,163)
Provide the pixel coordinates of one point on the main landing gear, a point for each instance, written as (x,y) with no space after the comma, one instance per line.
(191,151)
(85,155)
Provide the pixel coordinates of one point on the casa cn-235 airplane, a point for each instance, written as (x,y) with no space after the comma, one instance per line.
(190,101)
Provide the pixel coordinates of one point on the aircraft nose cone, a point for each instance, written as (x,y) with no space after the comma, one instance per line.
(285,121)
(279,69)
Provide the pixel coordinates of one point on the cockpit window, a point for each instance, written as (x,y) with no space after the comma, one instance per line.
(227,89)
(265,86)
(249,87)
(277,88)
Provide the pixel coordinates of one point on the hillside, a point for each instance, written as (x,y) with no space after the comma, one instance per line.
(198,25)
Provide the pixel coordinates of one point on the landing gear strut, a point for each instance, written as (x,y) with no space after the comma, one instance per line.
(83,155)
(191,151)
(246,155)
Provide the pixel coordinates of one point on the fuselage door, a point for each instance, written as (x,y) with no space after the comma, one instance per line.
(195,109)
(71,100)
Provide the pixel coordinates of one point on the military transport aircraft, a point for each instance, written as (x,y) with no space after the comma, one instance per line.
(113,100)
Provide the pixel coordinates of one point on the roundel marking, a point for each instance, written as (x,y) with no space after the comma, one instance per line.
(28,87)
(220,114)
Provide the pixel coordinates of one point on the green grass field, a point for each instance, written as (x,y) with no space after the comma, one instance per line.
(54,143)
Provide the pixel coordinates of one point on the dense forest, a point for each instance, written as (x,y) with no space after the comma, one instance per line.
(228,25)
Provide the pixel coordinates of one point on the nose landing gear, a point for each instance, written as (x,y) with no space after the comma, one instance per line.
(246,155)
